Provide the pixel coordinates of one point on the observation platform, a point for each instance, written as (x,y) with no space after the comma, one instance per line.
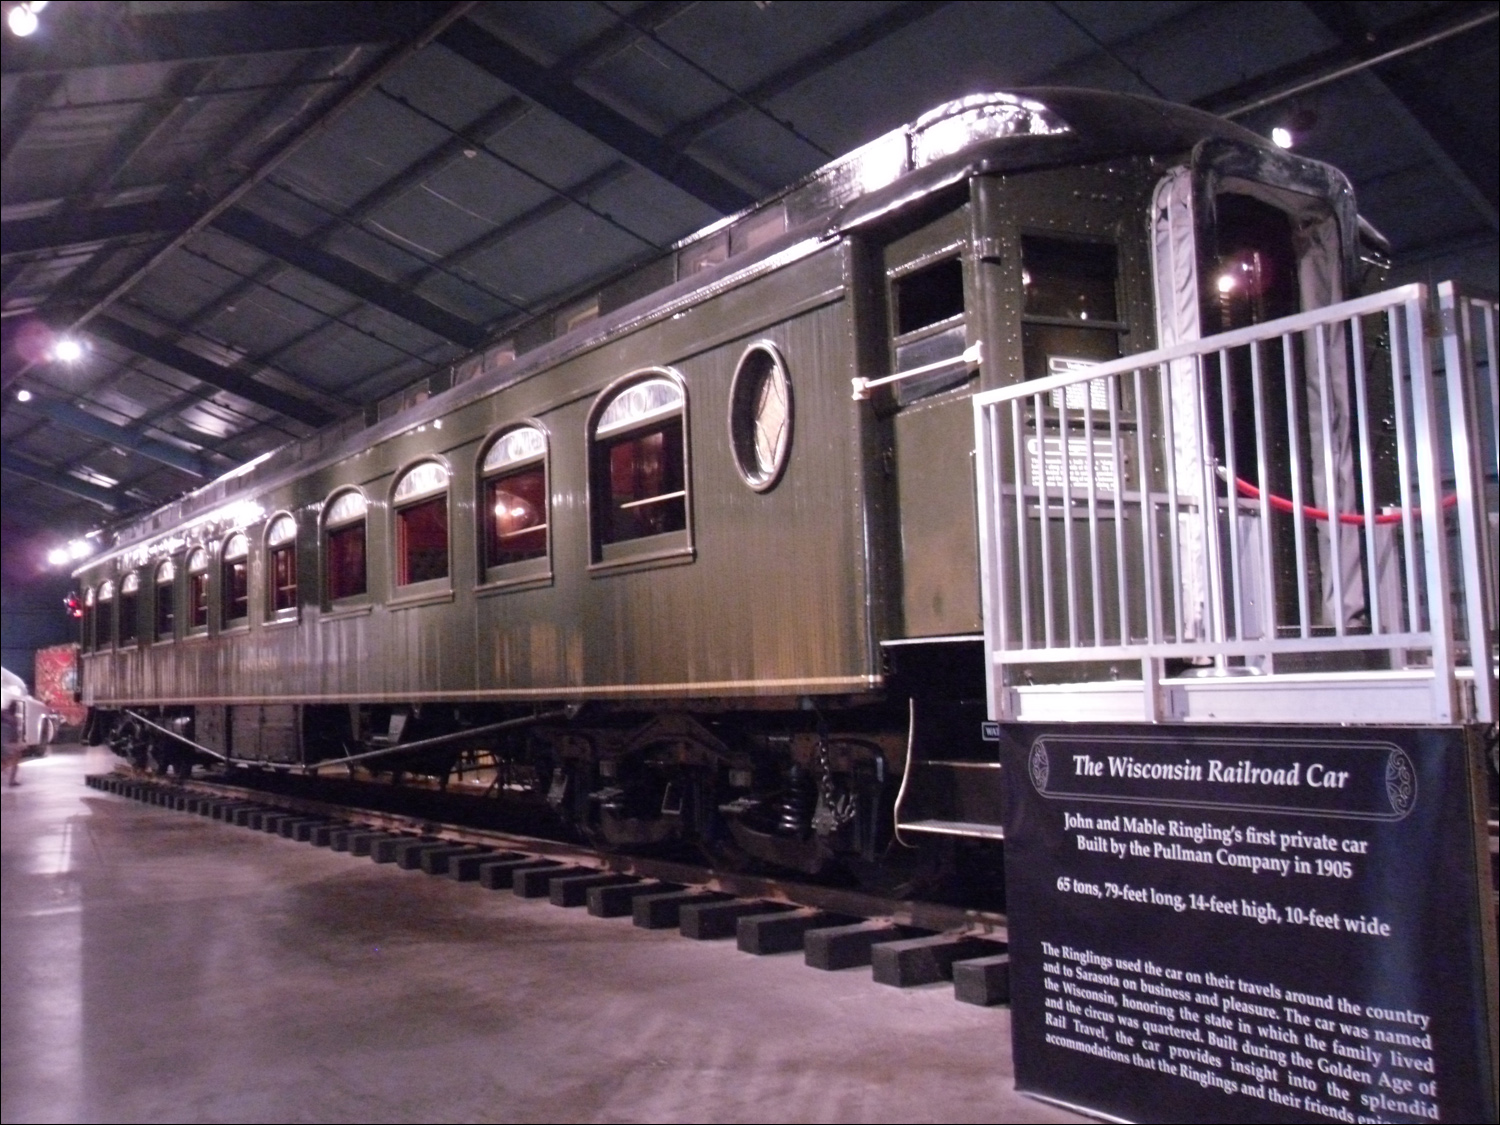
(1303,516)
(167,967)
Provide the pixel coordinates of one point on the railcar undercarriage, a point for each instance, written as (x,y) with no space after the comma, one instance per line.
(801,788)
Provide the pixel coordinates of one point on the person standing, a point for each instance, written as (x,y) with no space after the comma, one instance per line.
(14,740)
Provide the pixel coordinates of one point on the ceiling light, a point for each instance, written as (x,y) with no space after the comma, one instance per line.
(22,20)
(67,350)
(73,552)
(1281,137)
(23,395)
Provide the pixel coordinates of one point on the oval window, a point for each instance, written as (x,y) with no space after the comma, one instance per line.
(760,416)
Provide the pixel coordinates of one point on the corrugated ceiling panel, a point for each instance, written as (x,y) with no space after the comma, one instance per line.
(366,146)
(556,255)
(554,151)
(742,44)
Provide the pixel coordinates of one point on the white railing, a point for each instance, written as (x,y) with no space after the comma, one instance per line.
(1293,522)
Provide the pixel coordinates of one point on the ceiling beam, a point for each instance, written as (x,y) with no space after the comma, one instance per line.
(30,95)
(388,63)
(72,417)
(271,239)
(1415,84)
(622,36)
(556,94)
(205,370)
(79,36)
(52,234)
(60,482)
(1346,57)
(467,138)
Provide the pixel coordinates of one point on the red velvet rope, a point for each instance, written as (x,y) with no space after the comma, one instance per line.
(1282,504)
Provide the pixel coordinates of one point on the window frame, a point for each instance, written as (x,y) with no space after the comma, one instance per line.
(164,593)
(934,334)
(226,622)
(533,571)
(742,422)
(275,612)
(133,637)
(199,566)
(88,623)
(359,599)
(106,596)
(675,546)
(422,589)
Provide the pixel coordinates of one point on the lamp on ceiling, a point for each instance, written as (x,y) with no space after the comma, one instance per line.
(75,551)
(1295,128)
(67,349)
(22,18)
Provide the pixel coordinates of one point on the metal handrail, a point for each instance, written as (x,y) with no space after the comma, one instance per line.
(970,357)
(1110,529)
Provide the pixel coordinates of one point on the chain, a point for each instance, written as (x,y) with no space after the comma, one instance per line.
(835,809)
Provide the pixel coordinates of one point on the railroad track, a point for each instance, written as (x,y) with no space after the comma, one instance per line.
(904,943)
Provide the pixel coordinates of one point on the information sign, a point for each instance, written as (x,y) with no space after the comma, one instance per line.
(1218,925)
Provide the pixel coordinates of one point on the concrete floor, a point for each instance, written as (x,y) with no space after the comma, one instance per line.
(160,966)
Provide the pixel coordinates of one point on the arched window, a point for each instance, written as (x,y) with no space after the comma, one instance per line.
(281,566)
(197,567)
(344,547)
(234,581)
(420,504)
(104,616)
(638,468)
(166,601)
(513,497)
(130,611)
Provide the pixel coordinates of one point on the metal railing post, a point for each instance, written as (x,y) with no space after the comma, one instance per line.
(1458,364)
(1430,492)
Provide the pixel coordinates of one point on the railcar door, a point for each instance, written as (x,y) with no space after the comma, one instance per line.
(1242,236)
(1064,284)
(926,290)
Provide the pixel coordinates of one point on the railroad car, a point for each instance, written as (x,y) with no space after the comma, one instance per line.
(697,559)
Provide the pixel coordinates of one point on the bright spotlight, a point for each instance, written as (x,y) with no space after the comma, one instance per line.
(22,20)
(1281,137)
(1226,282)
(80,549)
(58,556)
(67,350)
(23,395)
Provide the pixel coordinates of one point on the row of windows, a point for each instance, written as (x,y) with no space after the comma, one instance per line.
(638,496)
(102,624)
